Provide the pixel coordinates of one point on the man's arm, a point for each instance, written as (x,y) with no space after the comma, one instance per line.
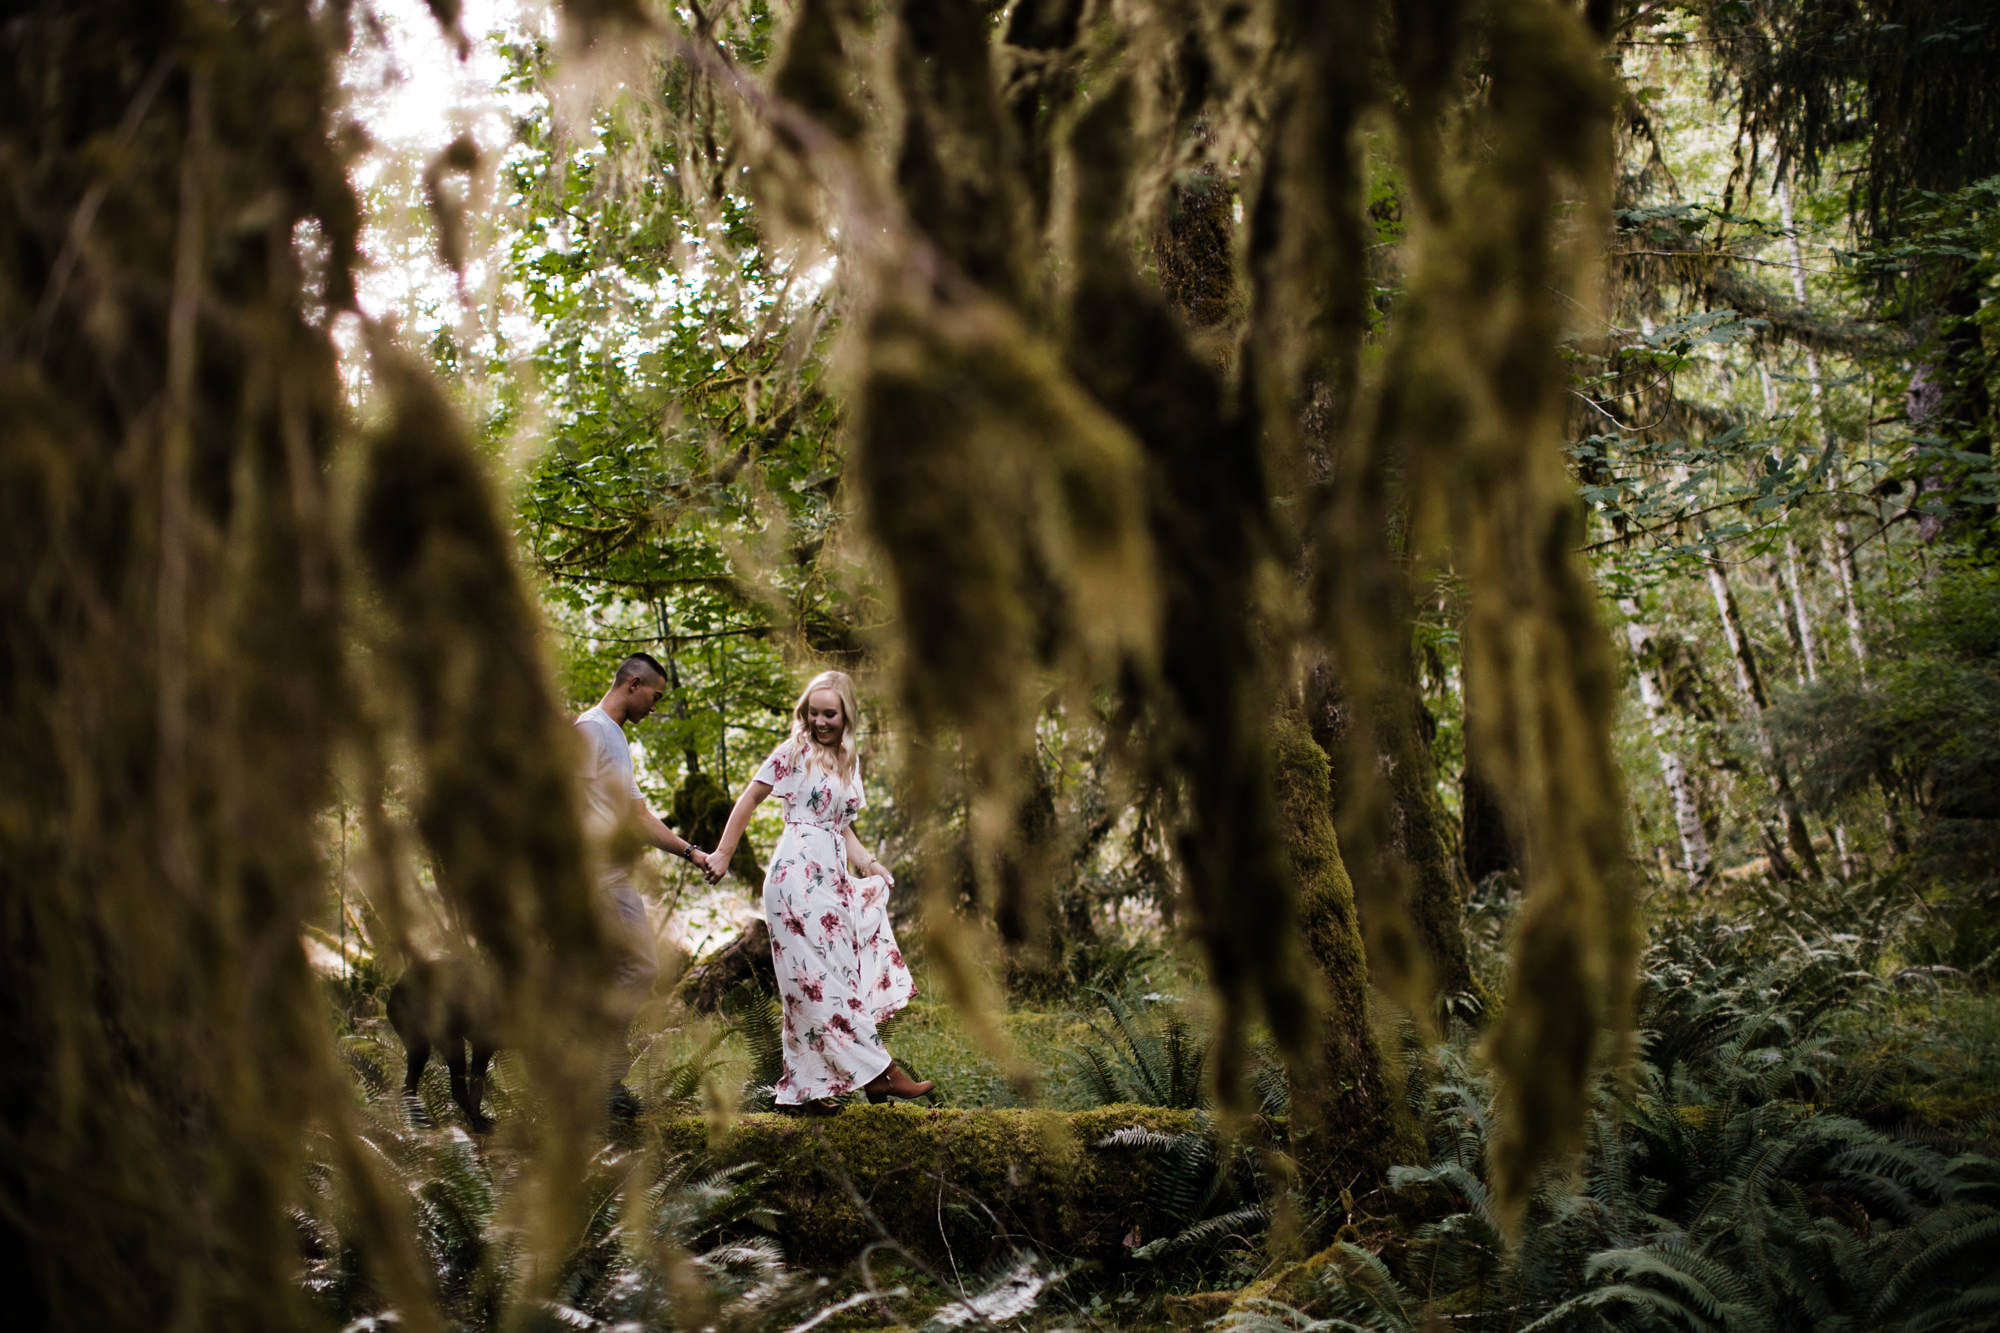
(664,838)
(739,819)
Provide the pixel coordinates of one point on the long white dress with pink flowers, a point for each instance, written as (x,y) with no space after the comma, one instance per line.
(839,970)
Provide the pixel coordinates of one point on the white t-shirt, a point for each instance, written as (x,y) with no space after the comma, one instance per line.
(609,789)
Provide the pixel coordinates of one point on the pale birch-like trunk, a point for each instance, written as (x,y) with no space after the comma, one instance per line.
(1750,681)
(1697,861)
(1798,620)
(1838,544)
(1798,617)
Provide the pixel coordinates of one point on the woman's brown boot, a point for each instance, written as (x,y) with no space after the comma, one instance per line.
(893,1082)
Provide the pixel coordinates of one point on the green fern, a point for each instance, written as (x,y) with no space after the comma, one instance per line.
(1202,1191)
(755,1017)
(1199,1238)
(1718,1190)
(1151,1064)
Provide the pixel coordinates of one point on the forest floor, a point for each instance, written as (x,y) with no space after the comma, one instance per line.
(1916,1057)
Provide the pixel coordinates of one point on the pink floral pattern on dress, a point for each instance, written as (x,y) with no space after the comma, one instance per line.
(839,970)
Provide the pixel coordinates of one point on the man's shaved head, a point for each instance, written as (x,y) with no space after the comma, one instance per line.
(640,667)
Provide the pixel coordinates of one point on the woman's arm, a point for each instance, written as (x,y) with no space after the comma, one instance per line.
(732,833)
(860,859)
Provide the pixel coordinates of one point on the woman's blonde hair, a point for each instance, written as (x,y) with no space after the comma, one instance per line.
(845,760)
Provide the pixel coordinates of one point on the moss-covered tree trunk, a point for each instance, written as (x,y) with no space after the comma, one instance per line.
(1408,844)
(1431,871)
(1347,1125)
(172,677)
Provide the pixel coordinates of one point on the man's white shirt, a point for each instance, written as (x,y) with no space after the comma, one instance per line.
(609,787)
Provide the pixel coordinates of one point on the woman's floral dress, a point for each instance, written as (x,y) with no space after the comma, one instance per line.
(839,970)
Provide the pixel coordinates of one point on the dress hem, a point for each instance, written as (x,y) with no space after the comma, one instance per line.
(883,1068)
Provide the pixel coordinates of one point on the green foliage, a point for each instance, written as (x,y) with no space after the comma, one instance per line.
(1206,1193)
(684,494)
(757,1020)
(1722,1187)
(1926,726)
(1910,77)
(1150,1058)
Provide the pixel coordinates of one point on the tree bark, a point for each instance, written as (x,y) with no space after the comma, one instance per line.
(1416,853)
(1347,1124)
(1435,882)
(744,961)
(1697,861)
(1792,599)
(1838,544)
(1750,683)
(1485,835)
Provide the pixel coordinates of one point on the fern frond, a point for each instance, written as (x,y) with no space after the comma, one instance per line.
(1370,1290)
(1944,1239)
(1097,1072)
(1706,1293)
(1976,1308)
(1239,1223)
(1138,1136)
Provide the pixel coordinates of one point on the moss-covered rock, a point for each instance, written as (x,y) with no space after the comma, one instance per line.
(952,1186)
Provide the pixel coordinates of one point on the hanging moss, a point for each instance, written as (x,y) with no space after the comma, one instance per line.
(184,679)
(1260,447)
(173,687)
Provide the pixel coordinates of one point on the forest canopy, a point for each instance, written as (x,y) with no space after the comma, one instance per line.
(1422,575)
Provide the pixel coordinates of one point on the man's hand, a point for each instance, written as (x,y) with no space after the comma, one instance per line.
(716,866)
(698,856)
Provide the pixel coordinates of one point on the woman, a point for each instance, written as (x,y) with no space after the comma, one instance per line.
(838,967)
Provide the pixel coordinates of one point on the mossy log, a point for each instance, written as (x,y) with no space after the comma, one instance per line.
(952,1186)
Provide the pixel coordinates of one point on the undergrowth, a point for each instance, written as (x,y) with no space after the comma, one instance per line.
(1809,1139)
(1753,1170)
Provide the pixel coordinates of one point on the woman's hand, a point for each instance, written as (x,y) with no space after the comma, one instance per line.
(739,819)
(716,865)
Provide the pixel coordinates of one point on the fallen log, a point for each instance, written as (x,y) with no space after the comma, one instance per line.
(960,1187)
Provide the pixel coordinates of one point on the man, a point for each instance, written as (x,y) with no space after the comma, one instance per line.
(616,818)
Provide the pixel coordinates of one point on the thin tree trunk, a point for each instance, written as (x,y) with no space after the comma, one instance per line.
(1486,834)
(1798,619)
(1398,829)
(1696,858)
(1838,544)
(1750,681)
